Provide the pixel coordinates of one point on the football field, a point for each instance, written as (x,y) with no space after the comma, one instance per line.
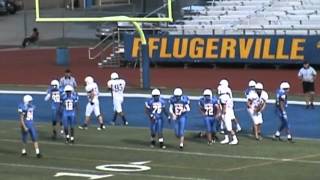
(124,152)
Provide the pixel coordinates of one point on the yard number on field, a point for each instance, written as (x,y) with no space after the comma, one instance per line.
(130,167)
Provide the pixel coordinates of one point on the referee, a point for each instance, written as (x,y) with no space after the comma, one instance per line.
(67,79)
(307,75)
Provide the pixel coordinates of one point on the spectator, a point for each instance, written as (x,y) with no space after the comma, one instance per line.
(67,79)
(307,75)
(31,39)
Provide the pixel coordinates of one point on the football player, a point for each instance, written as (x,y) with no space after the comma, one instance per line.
(224,86)
(69,101)
(281,106)
(26,110)
(93,104)
(117,86)
(54,95)
(256,103)
(155,109)
(227,115)
(210,110)
(179,106)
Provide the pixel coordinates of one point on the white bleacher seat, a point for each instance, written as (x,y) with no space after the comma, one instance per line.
(277,26)
(295,17)
(301,12)
(314,17)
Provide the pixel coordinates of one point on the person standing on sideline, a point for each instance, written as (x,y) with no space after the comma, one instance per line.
(307,75)
(26,109)
(67,79)
(117,86)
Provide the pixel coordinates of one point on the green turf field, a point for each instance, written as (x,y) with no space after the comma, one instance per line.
(250,160)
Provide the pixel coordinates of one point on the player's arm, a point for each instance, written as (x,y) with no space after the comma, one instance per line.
(173,116)
(47,96)
(217,110)
(22,124)
(201,108)
(148,111)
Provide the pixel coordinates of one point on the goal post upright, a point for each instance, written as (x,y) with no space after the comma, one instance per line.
(145,66)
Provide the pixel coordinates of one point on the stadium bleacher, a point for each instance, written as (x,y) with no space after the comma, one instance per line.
(253,17)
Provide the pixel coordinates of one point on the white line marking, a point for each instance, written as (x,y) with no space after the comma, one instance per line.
(174,152)
(136,95)
(93,171)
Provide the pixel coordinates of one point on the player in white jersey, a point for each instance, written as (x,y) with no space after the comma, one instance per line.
(227,116)
(117,86)
(224,86)
(93,105)
(256,103)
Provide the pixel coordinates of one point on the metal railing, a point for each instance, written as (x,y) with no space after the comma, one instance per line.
(101,47)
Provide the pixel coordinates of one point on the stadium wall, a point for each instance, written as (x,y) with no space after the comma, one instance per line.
(273,49)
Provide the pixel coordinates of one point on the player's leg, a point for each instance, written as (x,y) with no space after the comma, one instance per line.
(159,129)
(54,116)
(152,133)
(208,125)
(214,131)
(97,113)
(24,138)
(89,110)
(182,124)
(66,127)
(71,123)
(34,137)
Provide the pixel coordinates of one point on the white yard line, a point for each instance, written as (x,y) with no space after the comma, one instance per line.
(137,95)
(175,152)
(15,165)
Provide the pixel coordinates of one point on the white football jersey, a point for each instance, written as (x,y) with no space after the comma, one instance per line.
(95,92)
(227,100)
(117,87)
(256,99)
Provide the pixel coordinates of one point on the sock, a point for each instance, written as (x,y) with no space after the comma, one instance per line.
(67,136)
(238,126)
(71,138)
(124,119)
(37,151)
(277,133)
(226,137)
(181,144)
(114,117)
(161,140)
(289,136)
(23,151)
(72,131)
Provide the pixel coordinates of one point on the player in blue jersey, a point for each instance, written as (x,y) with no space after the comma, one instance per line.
(210,110)
(155,109)
(54,95)
(26,110)
(281,107)
(179,106)
(69,101)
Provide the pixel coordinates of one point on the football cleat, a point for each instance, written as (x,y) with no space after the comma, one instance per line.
(162,146)
(39,156)
(225,141)
(152,143)
(126,123)
(24,154)
(84,127)
(234,142)
(181,146)
(276,138)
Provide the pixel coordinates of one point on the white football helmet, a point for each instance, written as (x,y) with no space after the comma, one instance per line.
(155,92)
(224,82)
(284,85)
(27,99)
(259,86)
(88,80)
(252,83)
(207,92)
(114,75)
(68,88)
(177,92)
(55,83)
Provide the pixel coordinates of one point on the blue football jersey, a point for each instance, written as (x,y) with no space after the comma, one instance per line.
(27,110)
(281,95)
(155,107)
(208,105)
(69,102)
(180,105)
(55,96)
